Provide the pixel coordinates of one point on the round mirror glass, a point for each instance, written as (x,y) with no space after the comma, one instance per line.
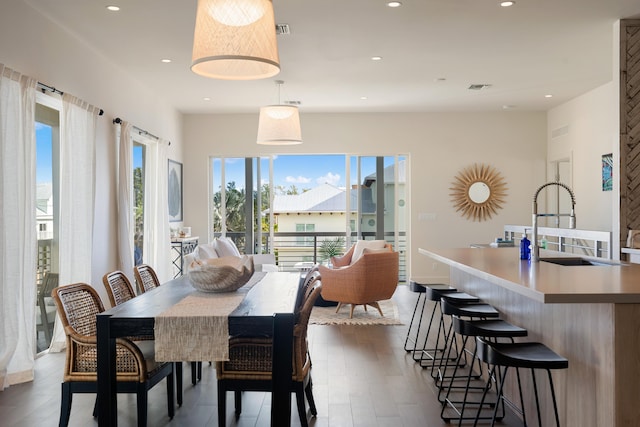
(479,192)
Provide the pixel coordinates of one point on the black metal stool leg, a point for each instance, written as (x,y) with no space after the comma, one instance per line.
(553,398)
(417,334)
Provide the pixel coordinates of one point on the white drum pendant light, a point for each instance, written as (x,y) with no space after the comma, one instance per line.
(279,124)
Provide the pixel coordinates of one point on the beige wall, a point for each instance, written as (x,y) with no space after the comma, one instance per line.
(438,146)
(589,130)
(592,128)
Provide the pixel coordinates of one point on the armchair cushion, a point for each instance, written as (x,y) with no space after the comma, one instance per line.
(361,245)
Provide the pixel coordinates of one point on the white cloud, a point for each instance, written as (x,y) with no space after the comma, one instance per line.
(329,178)
(297,180)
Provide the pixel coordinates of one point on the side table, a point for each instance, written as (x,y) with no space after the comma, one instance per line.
(181,246)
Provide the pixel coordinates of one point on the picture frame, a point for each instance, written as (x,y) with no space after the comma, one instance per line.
(607,172)
(175,191)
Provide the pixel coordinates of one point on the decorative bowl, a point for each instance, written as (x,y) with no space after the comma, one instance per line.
(225,274)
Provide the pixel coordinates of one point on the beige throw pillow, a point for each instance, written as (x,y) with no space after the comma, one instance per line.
(206,251)
(375,251)
(226,247)
(361,245)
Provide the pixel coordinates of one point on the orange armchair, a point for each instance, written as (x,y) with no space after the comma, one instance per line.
(372,278)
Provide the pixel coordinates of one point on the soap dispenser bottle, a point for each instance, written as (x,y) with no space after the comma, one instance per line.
(525,247)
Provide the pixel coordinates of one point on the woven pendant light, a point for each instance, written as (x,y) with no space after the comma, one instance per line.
(279,124)
(235,40)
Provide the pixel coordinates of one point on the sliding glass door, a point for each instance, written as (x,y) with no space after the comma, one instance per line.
(300,207)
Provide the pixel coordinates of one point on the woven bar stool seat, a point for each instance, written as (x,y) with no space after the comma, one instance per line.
(529,355)
(428,355)
(493,329)
(413,332)
(453,308)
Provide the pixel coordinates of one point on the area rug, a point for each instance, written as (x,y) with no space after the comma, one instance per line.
(328,315)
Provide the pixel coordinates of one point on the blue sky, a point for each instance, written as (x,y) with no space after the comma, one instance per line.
(43,153)
(303,171)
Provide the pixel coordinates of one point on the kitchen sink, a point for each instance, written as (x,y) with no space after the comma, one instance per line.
(568,261)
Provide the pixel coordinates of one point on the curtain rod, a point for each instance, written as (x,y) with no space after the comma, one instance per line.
(45,87)
(118,120)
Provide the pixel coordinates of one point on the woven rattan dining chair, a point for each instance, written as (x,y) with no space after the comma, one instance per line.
(249,365)
(119,290)
(118,287)
(136,369)
(146,277)
(307,282)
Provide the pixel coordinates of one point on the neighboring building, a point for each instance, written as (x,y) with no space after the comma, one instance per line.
(44,210)
(323,209)
(370,183)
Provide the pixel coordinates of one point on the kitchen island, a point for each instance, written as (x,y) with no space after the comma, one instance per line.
(589,314)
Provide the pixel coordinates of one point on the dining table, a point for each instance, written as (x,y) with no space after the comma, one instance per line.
(267,310)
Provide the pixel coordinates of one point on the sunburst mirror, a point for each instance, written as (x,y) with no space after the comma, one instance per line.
(478,192)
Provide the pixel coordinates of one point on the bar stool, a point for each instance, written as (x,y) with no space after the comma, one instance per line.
(432,354)
(450,308)
(493,329)
(421,290)
(531,355)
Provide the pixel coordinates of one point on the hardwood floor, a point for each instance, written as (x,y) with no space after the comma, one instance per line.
(361,374)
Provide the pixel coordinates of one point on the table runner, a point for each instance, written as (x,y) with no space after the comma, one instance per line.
(197,328)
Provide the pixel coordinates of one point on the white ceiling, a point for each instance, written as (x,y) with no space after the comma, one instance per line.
(535,48)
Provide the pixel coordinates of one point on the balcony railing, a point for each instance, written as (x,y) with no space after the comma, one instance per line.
(45,247)
(291,248)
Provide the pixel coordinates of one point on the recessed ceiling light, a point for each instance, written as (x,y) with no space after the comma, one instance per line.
(113,8)
(206,98)
(507,3)
(376,58)
(166,60)
(508,107)
(394,4)
(364,98)
(548,96)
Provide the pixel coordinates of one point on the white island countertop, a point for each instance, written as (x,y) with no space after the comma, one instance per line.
(611,282)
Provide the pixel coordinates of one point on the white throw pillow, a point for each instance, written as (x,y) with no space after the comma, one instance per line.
(361,245)
(226,247)
(206,251)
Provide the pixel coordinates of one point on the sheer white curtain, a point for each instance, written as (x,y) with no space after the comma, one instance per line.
(18,250)
(77,196)
(125,198)
(156,234)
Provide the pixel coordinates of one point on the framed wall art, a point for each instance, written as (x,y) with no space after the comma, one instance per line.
(175,191)
(607,172)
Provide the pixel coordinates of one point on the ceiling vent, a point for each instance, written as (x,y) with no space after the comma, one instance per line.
(293,102)
(282,29)
(561,131)
(479,86)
